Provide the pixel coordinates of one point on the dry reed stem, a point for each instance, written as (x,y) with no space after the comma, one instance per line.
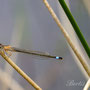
(80,58)
(25,76)
(87,86)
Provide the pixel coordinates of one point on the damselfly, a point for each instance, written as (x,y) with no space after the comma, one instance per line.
(38,53)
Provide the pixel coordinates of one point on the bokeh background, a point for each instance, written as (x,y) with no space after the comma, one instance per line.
(28,24)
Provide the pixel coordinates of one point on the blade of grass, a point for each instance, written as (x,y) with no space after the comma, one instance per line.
(80,58)
(24,75)
(75,26)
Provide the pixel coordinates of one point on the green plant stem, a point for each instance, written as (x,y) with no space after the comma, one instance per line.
(75,50)
(75,26)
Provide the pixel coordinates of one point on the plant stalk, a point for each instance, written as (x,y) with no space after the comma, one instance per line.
(75,26)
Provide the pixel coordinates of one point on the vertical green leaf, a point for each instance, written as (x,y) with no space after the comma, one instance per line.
(75,26)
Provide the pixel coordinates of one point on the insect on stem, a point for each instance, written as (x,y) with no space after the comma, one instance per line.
(37,53)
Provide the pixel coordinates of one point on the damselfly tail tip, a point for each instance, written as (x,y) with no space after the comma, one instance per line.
(57,57)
